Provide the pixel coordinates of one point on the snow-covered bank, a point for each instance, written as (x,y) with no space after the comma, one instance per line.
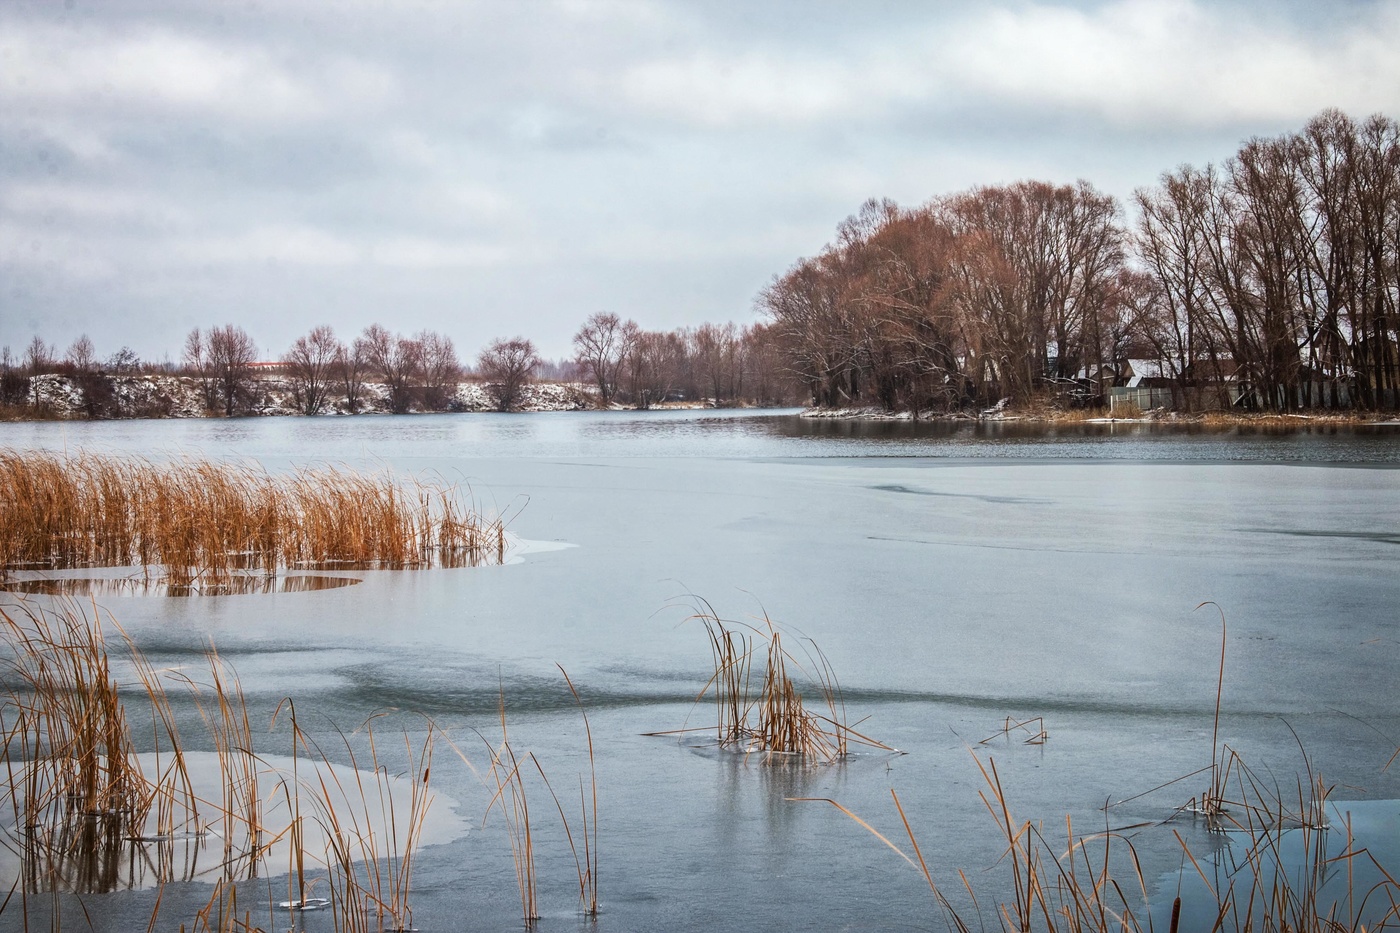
(873,413)
(162,396)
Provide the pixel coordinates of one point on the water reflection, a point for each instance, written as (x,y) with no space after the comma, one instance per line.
(1326,870)
(91,854)
(969,431)
(715,434)
(160,586)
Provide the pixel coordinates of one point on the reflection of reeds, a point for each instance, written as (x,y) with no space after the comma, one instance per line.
(209,522)
(773,720)
(1094,883)
(85,816)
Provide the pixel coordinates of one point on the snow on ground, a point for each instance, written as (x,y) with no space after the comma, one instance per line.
(163,396)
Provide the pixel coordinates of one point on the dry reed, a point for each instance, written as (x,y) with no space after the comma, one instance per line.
(84,817)
(1080,886)
(1095,883)
(587,864)
(772,719)
(371,872)
(1033,729)
(208,523)
(505,773)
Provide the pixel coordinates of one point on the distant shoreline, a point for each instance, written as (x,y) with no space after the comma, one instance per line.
(1099,416)
(56,397)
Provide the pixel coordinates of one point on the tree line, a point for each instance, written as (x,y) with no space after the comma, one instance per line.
(1269,282)
(625,364)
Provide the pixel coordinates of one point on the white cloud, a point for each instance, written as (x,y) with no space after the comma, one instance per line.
(716,90)
(301,245)
(59,251)
(290,244)
(162,70)
(87,203)
(425,253)
(1142,61)
(1133,62)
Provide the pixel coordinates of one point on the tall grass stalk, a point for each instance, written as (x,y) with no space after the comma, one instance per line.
(586,862)
(76,791)
(505,773)
(224,711)
(371,872)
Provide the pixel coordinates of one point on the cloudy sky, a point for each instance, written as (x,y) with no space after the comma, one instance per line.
(507,167)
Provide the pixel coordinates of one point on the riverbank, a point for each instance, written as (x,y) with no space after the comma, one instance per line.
(1102,416)
(55,397)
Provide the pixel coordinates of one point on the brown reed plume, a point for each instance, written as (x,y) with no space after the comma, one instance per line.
(206,523)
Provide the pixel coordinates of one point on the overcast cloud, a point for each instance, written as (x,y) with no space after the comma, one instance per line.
(498,168)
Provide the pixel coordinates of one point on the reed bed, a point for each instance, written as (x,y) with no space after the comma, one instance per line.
(224,711)
(207,523)
(505,780)
(1273,870)
(587,861)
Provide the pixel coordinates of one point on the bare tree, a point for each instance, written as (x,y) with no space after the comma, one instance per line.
(310,365)
(38,356)
(398,361)
(230,354)
(80,355)
(197,365)
(506,366)
(95,394)
(441,370)
(14,384)
(599,347)
(348,370)
(123,363)
(713,348)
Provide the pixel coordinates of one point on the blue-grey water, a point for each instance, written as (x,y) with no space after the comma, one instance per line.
(953,576)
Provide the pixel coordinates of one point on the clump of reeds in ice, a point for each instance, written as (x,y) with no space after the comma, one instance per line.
(759,706)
